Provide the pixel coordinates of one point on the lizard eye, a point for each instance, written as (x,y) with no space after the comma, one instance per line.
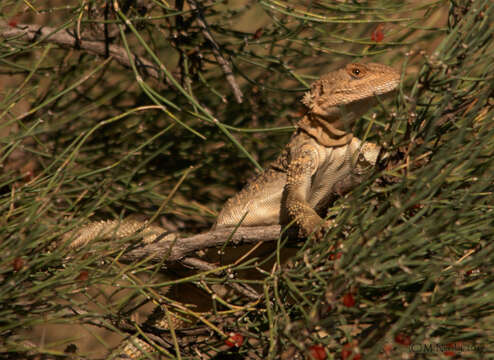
(356,71)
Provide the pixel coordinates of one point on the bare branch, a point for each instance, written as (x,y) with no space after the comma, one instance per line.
(178,249)
(244,289)
(66,39)
(225,66)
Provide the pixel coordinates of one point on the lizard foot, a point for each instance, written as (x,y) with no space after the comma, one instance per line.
(317,229)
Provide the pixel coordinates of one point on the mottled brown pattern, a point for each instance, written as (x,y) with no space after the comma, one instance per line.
(322,161)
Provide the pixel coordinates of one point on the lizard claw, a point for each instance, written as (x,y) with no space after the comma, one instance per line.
(316,228)
(323,229)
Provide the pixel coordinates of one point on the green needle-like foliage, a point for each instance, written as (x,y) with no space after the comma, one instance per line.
(105,106)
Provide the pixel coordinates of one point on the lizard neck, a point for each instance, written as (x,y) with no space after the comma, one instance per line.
(326,130)
(332,126)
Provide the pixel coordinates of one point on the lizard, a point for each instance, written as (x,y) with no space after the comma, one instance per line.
(323,160)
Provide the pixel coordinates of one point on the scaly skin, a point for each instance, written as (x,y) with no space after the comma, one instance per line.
(301,184)
(118,229)
(134,347)
(322,160)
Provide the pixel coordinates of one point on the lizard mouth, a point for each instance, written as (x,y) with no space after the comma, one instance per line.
(387,88)
(386,93)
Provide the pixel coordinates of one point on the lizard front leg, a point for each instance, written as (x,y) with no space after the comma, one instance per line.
(300,170)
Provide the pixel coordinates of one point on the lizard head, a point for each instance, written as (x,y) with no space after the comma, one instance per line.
(351,84)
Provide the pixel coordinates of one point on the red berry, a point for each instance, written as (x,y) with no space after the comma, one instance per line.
(258,33)
(345,354)
(335,256)
(378,34)
(317,352)
(349,350)
(234,339)
(18,264)
(348,300)
(83,276)
(450,349)
(28,175)
(388,348)
(13,22)
(403,339)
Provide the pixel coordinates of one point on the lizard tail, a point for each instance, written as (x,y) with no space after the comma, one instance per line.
(111,229)
(133,347)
